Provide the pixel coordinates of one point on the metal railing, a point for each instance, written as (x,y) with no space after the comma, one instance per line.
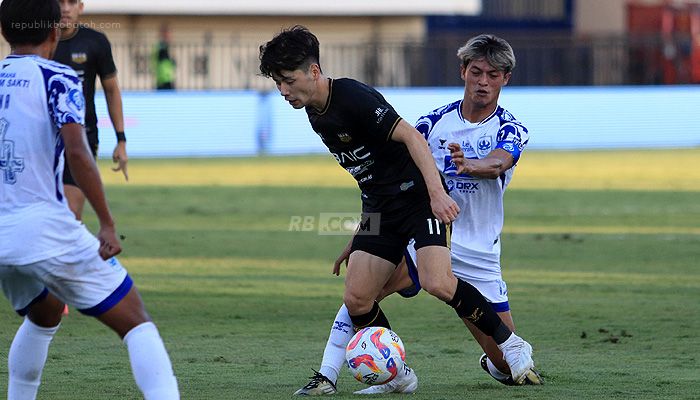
(541,61)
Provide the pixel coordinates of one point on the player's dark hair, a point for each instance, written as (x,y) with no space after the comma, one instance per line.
(494,50)
(29,21)
(292,49)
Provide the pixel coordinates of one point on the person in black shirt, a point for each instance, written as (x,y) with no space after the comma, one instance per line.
(89,53)
(402,192)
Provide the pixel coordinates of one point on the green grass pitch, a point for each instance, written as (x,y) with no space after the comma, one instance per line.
(600,252)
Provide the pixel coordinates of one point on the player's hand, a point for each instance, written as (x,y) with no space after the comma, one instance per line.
(444,208)
(344,256)
(121,159)
(109,243)
(457,156)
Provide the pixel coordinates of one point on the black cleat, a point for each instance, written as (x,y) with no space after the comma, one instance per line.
(319,385)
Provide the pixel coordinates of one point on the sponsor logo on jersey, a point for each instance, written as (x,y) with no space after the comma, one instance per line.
(344,137)
(380,112)
(462,186)
(79,58)
(352,155)
(406,185)
(115,264)
(365,179)
(360,169)
(442,144)
(509,147)
(341,326)
(467,148)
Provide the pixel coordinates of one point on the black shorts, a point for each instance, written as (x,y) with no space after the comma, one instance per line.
(92,142)
(413,218)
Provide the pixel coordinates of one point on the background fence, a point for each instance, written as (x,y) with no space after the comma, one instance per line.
(547,61)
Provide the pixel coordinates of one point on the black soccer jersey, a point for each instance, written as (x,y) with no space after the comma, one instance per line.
(356,125)
(89,53)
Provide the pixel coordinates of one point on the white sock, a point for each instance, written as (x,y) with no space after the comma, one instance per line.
(404,374)
(26,360)
(495,372)
(512,338)
(150,363)
(334,353)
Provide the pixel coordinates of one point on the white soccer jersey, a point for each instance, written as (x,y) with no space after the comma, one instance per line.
(476,231)
(37,97)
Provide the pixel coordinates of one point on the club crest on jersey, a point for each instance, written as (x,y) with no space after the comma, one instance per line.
(344,137)
(483,146)
(78,58)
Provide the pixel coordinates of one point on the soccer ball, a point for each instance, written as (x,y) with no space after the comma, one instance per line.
(375,355)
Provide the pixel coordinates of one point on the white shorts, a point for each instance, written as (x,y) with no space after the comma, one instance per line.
(82,279)
(486,279)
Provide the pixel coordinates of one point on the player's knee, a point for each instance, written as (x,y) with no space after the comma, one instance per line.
(357,305)
(438,286)
(47,313)
(125,315)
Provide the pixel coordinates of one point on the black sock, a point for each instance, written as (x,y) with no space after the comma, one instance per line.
(375,317)
(470,304)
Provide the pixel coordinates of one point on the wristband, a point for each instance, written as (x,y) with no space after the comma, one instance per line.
(121,137)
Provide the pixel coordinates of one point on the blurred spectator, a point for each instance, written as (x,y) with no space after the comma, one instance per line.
(163,64)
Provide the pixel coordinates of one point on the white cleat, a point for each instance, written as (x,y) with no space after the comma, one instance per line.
(518,355)
(405,383)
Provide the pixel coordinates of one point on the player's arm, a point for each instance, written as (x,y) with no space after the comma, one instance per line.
(343,257)
(490,167)
(84,170)
(442,204)
(113,96)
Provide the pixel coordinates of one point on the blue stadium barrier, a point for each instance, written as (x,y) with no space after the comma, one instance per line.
(184,124)
(242,123)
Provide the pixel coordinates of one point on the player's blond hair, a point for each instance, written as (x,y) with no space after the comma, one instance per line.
(494,50)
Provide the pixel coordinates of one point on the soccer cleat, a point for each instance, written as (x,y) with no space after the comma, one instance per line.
(507,381)
(405,383)
(319,385)
(518,354)
(532,377)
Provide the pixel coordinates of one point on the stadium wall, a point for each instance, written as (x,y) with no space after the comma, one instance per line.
(245,123)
